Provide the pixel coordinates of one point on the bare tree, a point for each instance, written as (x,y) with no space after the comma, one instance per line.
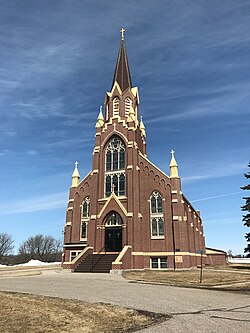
(45,248)
(6,244)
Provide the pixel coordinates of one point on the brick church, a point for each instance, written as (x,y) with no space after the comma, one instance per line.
(126,213)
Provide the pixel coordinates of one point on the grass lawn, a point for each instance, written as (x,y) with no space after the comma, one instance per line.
(187,278)
(39,314)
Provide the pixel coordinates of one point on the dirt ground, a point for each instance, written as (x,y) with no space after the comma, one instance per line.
(214,278)
(39,314)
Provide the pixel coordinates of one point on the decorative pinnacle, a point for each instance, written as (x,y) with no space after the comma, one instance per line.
(141,124)
(100,119)
(173,166)
(75,176)
(122,31)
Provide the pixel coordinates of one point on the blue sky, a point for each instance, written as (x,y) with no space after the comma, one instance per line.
(190,60)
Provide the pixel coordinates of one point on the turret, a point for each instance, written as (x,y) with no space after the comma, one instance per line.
(100,119)
(142,128)
(173,166)
(75,176)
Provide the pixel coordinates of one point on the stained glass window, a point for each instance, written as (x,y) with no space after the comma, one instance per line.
(84,218)
(115,167)
(156,215)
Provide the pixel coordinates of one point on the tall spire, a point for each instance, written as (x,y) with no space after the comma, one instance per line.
(122,73)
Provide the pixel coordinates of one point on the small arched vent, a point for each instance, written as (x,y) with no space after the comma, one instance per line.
(128,104)
(116,107)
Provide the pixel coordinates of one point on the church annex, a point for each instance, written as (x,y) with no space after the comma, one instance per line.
(127,213)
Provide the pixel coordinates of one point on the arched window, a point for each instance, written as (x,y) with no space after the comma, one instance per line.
(115,155)
(116,106)
(84,218)
(128,104)
(115,167)
(113,220)
(156,215)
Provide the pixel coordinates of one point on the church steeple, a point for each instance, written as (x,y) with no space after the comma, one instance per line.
(122,73)
(121,105)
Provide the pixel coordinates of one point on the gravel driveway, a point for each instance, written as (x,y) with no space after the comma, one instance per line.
(192,310)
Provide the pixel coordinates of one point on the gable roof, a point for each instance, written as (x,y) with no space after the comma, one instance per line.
(114,197)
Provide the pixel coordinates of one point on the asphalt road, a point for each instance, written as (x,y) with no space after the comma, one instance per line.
(192,310)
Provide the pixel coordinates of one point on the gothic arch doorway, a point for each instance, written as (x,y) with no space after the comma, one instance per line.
(113,233)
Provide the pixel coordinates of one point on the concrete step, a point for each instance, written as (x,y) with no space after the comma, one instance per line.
(96,263)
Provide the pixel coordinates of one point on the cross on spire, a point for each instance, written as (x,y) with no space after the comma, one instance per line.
(172,152)
(76,164)
(122,32)
(122,74)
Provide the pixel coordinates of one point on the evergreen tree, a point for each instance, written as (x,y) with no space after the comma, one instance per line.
(246,218)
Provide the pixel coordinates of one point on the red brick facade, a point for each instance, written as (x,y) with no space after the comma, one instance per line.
(146,237)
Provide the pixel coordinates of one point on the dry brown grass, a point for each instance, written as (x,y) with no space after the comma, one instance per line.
(239,267)
(20,271)
(20,268)
(211,278)
(38,314)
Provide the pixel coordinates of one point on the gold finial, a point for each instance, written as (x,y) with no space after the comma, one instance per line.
(122,31)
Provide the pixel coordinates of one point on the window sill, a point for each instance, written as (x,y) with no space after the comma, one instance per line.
(157,237)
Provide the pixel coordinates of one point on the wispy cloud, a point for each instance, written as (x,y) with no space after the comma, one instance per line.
(4,152)
(216,171)
(190,60)
(35,204)
(32,152)
(215,197)
(10,133)
(224,100)
(69,142)
(221,221)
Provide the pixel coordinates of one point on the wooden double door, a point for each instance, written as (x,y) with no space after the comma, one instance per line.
(113,239)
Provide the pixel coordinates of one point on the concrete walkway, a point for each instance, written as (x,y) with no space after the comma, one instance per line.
(192,310)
